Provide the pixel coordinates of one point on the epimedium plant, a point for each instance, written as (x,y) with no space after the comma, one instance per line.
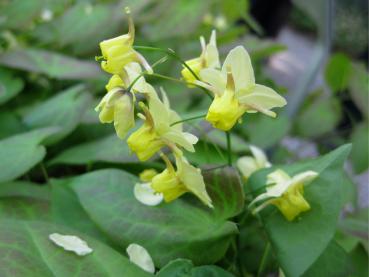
(214,221)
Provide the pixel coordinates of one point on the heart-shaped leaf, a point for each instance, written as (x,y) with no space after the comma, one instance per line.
(182,229)
(50,63)
(109,149)
(24,200)
(65,111)
(26,250)
(21,152)
(299,243)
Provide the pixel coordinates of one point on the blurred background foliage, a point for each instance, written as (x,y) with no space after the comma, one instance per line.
(50,83)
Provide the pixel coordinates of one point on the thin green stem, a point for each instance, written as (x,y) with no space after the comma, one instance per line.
(229,147)
(44,172)
(264,259)
(188,119)
(169,52)
(172,53)
(161,60)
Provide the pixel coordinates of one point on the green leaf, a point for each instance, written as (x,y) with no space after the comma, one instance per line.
(24,200)
(64,110)
(225,189)
(337,72)
(183,228)
(109,149)
(358,86)
(176,13)
(359,259)
(52,64)
(18,13)
(360,151)
(21,152)
(27,251)
(10,86)
(334,261)
(67,210)
(298,244)
(318,118)
(265,131)
(10,124)
(356,226)
(182,267)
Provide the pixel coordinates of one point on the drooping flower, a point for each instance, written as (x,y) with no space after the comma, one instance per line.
(249,164)
(117,105)
(235,91)
(71,243)
(209,58)
(173,183)
(158,130)
(139,256)
(286,193)
(118,52)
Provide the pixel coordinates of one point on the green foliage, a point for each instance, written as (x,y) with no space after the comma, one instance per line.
(360,151)
(191,228)
(31,253)
(10,86)
(21,152)
(298,244)
(318,118)
(338,71)
(182,267)
(56,158)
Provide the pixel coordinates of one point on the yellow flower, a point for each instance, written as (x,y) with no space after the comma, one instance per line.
(158,130)
(235,91)
(173,183)
(114,81)
(286,193)
(209,58)
(248,165)
(118,52)
(117,105)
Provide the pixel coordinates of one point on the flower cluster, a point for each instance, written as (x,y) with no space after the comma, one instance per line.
(234,92)
(161,127)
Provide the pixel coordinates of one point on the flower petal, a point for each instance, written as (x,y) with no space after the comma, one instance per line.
(239,62)
(304,177)
(215,78)
(145,194)
(123,115)
(262,99)
(139,256)
(247,166)
(71,243)
(260,157)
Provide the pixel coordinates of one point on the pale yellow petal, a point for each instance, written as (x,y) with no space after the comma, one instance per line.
(139,256)
(247,166)
(123,115)
(215,78)
(239,63)
(262,99)
(145,194)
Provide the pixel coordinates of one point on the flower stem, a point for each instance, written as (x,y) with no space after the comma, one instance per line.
(229,147)
(188,119)
(172,53)
(44,172)
(264,259)
(169,52)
